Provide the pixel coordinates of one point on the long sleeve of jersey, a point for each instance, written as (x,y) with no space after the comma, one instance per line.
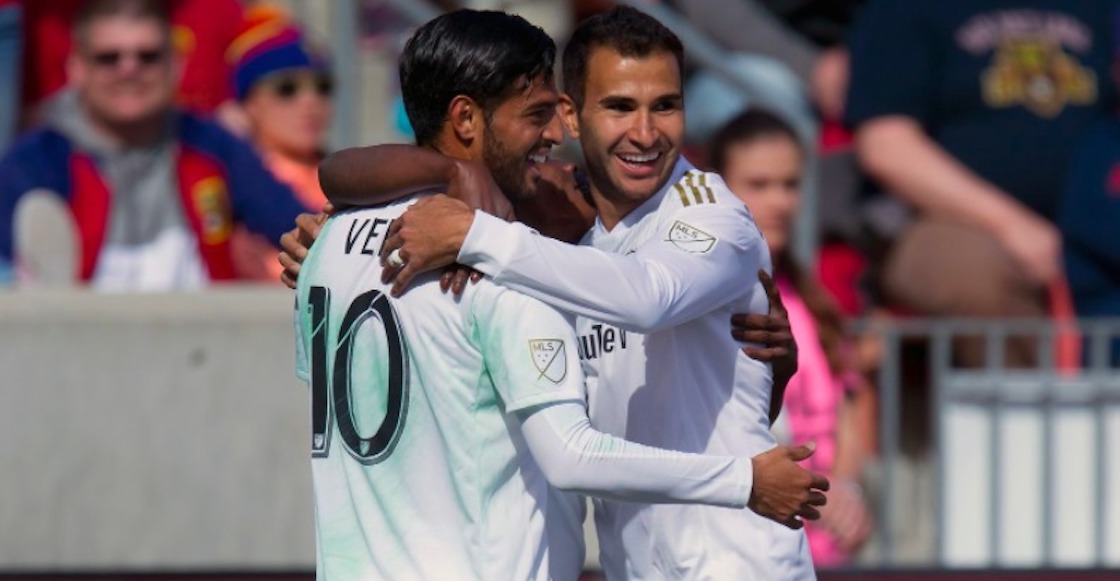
(577,458)
(530,355)
(700,258)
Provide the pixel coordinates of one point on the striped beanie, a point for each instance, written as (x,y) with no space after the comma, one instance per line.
(268,42)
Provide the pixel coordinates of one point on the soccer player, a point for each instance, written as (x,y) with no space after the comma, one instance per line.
(438,424)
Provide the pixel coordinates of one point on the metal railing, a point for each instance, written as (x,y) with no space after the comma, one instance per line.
(977,467)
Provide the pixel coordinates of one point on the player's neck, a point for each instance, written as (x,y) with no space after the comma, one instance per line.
(613,203)
(613,209)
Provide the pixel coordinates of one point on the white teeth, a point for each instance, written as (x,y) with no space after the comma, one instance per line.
(538,158)
(639,158)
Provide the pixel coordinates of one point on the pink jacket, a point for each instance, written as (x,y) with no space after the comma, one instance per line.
(812,408)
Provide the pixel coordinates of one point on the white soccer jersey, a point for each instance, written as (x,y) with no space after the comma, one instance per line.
(655,295)
(421,460)
(415,464)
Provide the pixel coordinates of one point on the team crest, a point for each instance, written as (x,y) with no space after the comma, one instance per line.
(690,238)
(550,358)
(211,203)
(1038,75)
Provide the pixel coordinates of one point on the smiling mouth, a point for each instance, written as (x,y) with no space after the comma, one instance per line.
(641,162)
(538,157)
(640,159)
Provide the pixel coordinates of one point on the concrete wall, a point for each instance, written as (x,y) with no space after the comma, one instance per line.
(154,432)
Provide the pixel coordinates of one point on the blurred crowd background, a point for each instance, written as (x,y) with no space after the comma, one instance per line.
(938,182)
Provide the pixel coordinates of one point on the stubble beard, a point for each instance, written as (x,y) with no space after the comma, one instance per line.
(506,167)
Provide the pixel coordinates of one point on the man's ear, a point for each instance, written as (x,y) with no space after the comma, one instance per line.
(569,115)
(465,118)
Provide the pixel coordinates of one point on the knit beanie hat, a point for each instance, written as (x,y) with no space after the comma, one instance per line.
(268,43)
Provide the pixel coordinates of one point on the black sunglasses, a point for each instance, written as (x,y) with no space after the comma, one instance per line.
(112,58)
(287,87)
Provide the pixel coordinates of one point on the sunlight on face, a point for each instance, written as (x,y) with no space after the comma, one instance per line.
(631,124)
(519,136)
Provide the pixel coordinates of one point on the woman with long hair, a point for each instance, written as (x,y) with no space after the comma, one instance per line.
(761,160)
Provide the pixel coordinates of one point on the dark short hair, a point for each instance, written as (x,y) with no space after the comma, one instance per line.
(624,29)
(137,9)
(484,55)
(748,126)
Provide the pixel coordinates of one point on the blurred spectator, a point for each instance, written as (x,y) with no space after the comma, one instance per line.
(760,158)
(154,192)
(284,86)
(968,111)
(202,30)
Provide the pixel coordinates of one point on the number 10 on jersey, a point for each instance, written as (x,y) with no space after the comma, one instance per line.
(331,394)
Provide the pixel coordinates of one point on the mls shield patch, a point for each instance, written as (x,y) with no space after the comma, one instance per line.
(690,238)
(550,358)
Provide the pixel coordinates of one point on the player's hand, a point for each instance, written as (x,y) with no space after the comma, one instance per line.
(295,242)
(455,277)
(428,236)
(559,206)
(783,491)
(772,331)
(472,184)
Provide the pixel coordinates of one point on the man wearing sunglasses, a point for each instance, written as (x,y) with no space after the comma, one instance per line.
(153,192)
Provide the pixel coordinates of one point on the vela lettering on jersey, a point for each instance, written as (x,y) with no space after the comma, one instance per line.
(370,228)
